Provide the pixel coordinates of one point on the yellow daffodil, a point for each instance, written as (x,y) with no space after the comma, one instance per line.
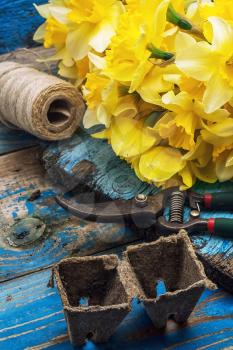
(101,95)
(157,75)
(94,24)
(219,8)
(128,57)
(211,63)
(183,119)
(54,31)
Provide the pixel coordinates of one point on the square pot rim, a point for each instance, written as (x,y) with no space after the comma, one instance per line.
(91,308)
(97,308)
(199,284)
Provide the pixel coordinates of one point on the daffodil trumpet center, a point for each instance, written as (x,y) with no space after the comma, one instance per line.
(157,53)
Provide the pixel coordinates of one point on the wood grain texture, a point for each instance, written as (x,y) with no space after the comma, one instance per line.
(21,174)
(19,20)
(33,319)
(115,179)
(12,140)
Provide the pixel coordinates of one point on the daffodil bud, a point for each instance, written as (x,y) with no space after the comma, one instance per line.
(157,53)
(175,18)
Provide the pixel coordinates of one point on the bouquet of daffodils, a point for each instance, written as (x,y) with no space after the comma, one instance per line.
(157,75)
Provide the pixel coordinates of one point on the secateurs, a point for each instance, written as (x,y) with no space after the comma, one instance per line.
(149,211)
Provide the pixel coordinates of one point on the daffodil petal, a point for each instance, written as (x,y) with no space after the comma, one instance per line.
(97,61)
(43,10)
(224,173)
(90,118)
(222,129)
(197,61)
(206,174)
(159,22)
(218,92)
(129,138)
(104,134)
(154,163)
(40,33)
(216,116)
(201,153)
(101,36)
(188,177)
(77,42)
(60,13)
(229,161)
(222,35)
(177,103)
(103,116)
(183,41)
(126,107)
(140,73)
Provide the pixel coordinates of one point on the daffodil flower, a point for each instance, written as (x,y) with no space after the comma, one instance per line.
(101,94)
(157,76)
(128,57)
(211,63)
(54,31)
(202,10)
(183,119)
(94,24)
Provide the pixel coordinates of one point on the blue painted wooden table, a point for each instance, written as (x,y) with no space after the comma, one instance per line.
(31,315)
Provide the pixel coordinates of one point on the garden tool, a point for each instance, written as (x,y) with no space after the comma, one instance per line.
(150,210)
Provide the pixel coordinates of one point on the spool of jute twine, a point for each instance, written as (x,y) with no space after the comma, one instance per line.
(41,104)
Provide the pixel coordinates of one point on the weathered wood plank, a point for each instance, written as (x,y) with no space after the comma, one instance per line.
(21,174)
(19,20)
(29,56)
(12,140)
(33,319)
(115,179)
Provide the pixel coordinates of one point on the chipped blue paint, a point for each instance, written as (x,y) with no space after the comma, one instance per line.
(64,234)
(19,20)
(9,192)
(33,317)
(108,179)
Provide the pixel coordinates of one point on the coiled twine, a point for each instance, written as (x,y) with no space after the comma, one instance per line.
(41,104)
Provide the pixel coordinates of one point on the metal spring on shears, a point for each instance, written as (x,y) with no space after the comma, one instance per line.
(177,207)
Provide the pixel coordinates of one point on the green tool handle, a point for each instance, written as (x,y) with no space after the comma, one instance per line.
(221,200)
(221,227)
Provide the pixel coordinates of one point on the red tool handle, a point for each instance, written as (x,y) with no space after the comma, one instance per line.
(221,200)
(221,227)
